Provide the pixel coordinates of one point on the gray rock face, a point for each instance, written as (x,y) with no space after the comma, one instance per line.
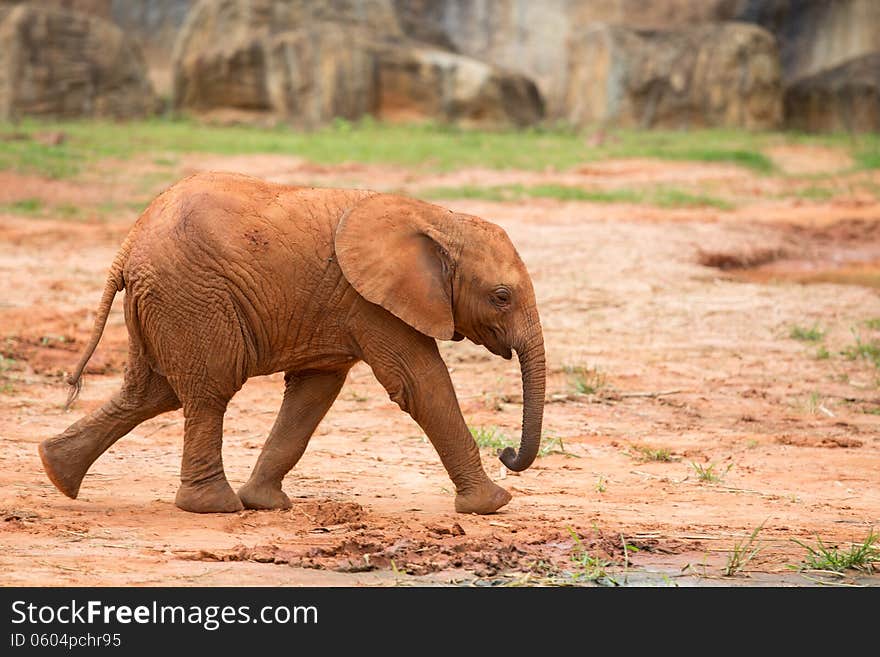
(416,82)
(321,72)
(532,37)
(815,35)
(311,62)
(221,54)
(845,97)
(719,74)
(61,63)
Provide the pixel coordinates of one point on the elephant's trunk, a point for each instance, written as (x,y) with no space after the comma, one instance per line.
(534,381)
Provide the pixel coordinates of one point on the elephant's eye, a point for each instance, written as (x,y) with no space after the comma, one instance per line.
(501,296)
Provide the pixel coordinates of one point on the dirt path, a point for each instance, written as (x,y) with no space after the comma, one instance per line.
(688,361)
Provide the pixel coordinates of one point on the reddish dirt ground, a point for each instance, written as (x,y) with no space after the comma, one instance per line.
(681,317)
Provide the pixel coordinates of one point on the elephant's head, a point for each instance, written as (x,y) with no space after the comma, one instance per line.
(450,276)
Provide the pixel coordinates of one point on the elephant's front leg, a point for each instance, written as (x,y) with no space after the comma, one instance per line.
(409,366)
(307,398)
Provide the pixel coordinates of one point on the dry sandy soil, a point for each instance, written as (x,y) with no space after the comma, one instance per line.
(682,318)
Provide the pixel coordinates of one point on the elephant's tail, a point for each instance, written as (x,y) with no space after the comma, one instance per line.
(115,283)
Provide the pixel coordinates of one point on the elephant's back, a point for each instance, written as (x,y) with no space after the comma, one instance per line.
(221,216)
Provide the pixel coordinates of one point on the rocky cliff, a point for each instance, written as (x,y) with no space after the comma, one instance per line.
(61,63)
(715,74)
(310,62)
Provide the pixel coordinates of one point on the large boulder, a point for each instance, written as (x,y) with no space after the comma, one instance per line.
(532,37)
(320,73)
(416,83)
(816,35)
(308,66)
(221,54)
(100,8)
(843,97)
(154,24)
(61,63)
(719,74)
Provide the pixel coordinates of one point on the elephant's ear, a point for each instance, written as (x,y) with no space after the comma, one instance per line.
(391,252)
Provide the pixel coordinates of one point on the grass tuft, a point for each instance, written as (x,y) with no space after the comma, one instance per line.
(495,439)
(586,567)
(743,552)
(660,454)
(585,380)
(859,556)
(869,351)
(28,207)
(707,473)
(812,334)
(491,438)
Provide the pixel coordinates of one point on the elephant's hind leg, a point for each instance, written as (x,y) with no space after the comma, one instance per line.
(203,484)
(307,398)
(67,457)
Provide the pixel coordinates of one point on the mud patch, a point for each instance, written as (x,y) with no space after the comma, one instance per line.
(845,252)
(328,513)
(824,441)
(432,548)
(726,260)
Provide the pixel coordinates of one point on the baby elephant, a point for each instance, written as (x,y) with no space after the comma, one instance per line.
(229,277)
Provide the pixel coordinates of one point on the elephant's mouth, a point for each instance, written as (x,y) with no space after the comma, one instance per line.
(499,350)
(491,340)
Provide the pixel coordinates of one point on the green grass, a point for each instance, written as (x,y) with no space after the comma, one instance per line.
(29,207)
(491,438)
(811,404)
(6,364)
(553,445)
(675,198)
(812,334)
(861,350)
(495,439)
(36,208)
(873,323)
(814,193)
(436,147)
(867,154)
(519,192)
(585,566)
(662,197)
(822,354)
(585,380)
(660,454)
(708,473)
(725,146)
(859,556)
(432,146)
(743,552)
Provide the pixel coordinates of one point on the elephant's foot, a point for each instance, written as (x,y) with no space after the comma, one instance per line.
(215,496)
(62,467)
(482,499)
(263,496)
